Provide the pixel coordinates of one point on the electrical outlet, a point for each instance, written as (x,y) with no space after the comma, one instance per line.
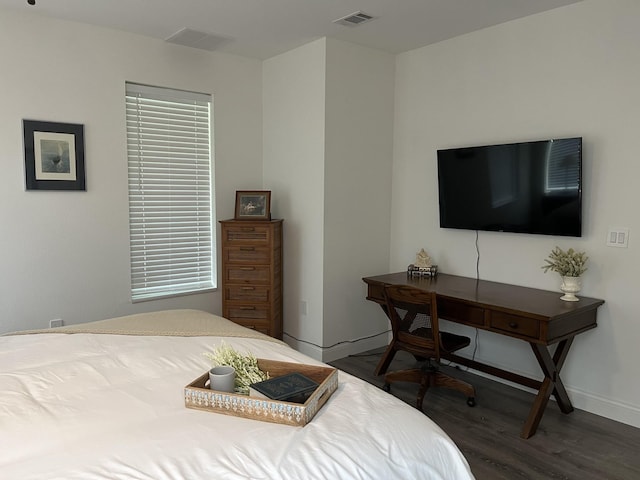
(56,323)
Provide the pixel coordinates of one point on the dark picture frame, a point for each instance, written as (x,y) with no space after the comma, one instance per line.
(253,205)
(53,155)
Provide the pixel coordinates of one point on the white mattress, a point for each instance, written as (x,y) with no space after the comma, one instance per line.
(111,406)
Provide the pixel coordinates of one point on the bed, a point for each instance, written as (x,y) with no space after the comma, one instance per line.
(105,400)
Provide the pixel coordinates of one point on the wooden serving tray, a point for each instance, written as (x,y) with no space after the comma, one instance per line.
(200,398)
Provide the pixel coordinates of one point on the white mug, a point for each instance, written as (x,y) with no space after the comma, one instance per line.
(222,378)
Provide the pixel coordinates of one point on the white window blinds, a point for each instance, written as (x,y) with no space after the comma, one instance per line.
(563,165)
(171,209)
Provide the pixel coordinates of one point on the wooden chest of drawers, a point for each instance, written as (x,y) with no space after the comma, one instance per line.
(252,274)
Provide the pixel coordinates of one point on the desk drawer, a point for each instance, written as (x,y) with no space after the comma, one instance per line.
(460,312)
(523,326)
(375,292)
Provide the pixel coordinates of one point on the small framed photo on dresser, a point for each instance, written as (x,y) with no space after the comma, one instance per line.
(253,205)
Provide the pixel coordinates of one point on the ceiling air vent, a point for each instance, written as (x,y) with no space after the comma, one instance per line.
(357,18)
(195,39)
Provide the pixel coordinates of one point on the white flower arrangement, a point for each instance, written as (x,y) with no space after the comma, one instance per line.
(568,264)
(246,366)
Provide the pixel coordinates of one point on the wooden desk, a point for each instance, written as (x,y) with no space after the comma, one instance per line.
(537,317)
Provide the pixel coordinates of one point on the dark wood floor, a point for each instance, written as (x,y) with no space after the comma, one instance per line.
(579,446)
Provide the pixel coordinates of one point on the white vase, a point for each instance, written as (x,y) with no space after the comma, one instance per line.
(570,286)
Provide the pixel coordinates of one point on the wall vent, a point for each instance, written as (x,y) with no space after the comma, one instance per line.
(354,19)
(195,39)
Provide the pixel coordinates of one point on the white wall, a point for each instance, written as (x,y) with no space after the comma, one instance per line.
(359,150)
(293,118)
(573,71)
(65,254)
(328,123)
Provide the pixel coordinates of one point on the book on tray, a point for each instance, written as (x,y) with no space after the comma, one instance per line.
(292,387)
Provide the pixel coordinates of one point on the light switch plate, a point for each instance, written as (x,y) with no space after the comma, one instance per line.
(618,237)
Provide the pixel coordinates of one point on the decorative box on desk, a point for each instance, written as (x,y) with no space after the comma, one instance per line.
(197,396)
(252,274)
(430,271)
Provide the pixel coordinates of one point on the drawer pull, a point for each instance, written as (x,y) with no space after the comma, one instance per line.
(248,288)
(247,308)
(247,229)
(247,249)
(248,269)
(513,324)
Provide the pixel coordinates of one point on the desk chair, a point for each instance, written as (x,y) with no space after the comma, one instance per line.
(414,323)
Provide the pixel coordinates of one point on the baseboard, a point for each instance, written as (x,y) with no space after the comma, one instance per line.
(339,351)
(358,346)
(605,407)
(312,351)
(619,411)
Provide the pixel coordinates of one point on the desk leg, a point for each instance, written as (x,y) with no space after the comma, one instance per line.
(388,354)
(551,384)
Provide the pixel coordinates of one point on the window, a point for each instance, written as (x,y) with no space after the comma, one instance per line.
(563,165)
(171,201)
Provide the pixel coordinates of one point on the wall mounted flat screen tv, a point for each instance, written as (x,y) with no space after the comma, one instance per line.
(531,187)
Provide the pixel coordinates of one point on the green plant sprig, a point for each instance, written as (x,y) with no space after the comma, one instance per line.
(568,264)
(246,366)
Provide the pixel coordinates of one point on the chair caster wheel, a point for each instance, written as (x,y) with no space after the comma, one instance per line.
(471,401)
(386,387)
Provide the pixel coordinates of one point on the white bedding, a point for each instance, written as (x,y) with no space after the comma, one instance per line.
(111,406)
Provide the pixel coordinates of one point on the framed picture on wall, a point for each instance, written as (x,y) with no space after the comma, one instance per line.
(253,205)
(53,155)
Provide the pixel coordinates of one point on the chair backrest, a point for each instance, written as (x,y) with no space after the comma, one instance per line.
(414,319)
